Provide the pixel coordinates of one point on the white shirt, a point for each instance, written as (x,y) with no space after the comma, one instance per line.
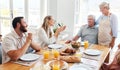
(44,39)
(12,42)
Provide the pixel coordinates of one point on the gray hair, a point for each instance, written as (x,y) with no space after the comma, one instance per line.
(92,16)
(104,4)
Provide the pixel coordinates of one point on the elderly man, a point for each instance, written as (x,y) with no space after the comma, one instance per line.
(18,42)
(87,32)
(108,26)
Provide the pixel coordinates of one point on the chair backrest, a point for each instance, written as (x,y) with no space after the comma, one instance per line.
(0,54)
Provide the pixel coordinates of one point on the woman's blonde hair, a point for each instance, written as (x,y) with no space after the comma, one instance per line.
(45,25)
(104,4)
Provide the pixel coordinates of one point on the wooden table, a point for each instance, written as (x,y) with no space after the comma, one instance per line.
(13,66)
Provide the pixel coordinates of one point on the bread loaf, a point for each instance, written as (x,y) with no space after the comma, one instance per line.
(70,59)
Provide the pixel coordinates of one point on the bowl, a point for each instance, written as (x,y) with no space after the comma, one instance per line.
(75,45)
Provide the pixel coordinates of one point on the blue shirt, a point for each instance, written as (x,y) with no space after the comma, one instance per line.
(89,33)
(113,23)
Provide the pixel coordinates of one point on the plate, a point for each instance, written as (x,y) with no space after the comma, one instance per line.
(55,46)
(92,52)
(65,66)
(80,67)
(30,57)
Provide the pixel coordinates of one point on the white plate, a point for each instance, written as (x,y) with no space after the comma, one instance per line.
(65,65)
(80,67)
(29,57)
(55,46)
(92,52)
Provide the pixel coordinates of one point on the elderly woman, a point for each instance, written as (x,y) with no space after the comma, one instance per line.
(107,26)
(45,33)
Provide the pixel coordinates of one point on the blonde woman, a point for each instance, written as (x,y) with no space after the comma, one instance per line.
(45,33)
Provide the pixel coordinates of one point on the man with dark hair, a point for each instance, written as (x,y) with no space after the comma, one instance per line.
(18,42)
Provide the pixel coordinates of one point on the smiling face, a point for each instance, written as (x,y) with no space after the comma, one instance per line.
(104,10)
(23,26)
(51,22)
(91,20)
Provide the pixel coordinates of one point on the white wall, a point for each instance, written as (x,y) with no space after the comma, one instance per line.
(43,9)
(63,11)
(52,8)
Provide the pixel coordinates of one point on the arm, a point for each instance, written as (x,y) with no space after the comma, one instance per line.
(16,54)
(112,42)
(62,28)
(76,37)
(114,31)
(119,46)
(44,38)
(35,46)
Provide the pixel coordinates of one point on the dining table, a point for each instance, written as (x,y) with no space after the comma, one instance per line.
(97,63)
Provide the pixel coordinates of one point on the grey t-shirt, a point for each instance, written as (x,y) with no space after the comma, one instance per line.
(89,33)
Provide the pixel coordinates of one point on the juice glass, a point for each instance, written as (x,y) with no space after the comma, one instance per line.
(46,54)
(56,53)
(86,44)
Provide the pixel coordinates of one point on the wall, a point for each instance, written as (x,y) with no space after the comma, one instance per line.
(43,9)
(52,8)
(63,11)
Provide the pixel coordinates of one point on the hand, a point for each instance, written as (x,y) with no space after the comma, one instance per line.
(119,46)
(62,28)
(29,38)
(68,41)
(111,44)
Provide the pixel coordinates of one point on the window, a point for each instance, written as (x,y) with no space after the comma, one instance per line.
(18,8)
(29,9)
(5,16)
(34,13)
(4,8)
(87,7)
